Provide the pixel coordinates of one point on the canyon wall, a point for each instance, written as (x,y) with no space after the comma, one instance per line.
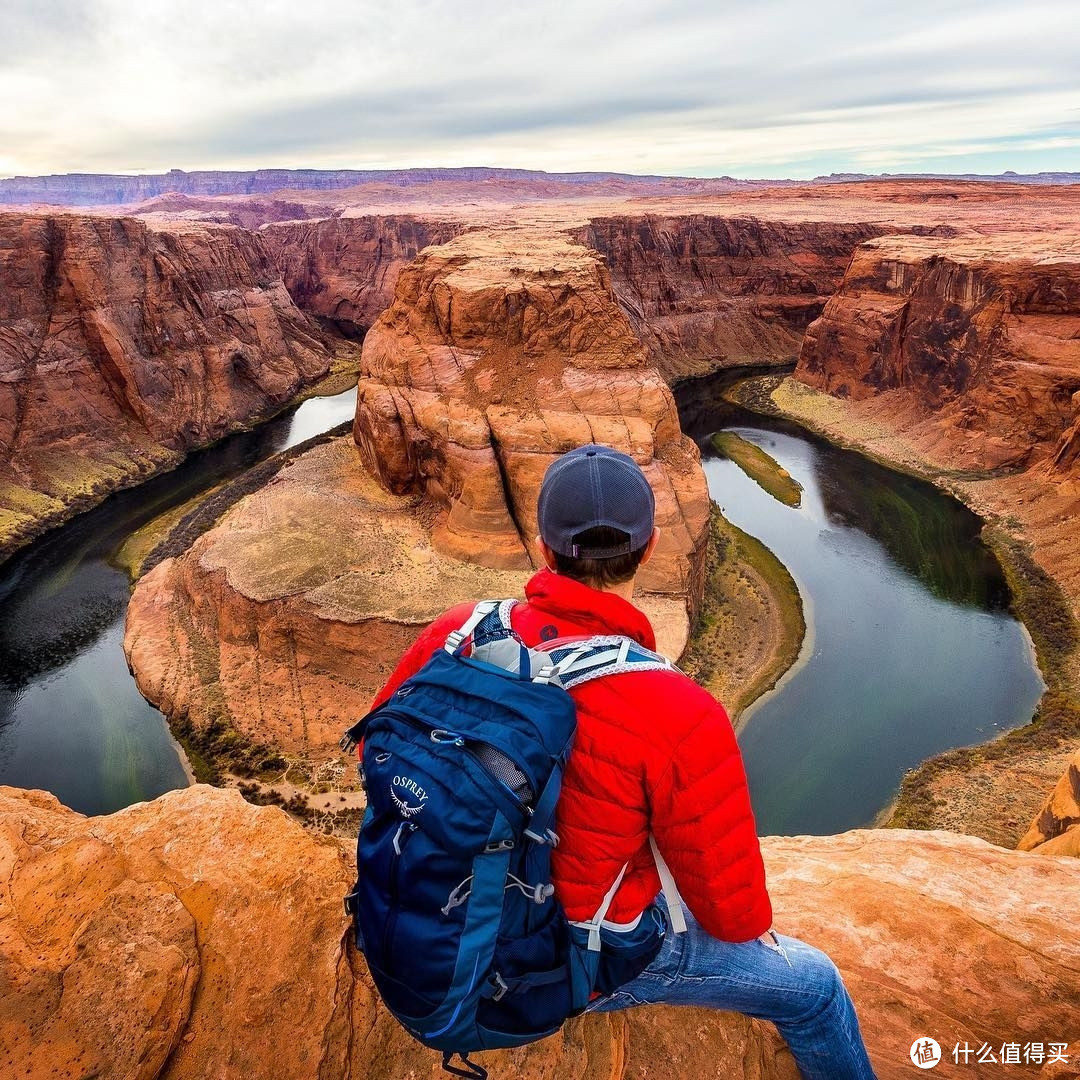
(978,337)
(707,291)
(125,344)
(345,269)
(198,935)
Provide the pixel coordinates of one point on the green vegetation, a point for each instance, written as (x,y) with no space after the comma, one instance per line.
(767,473)
(733,559)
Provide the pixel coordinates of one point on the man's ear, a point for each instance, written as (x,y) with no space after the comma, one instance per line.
(650,547)
(546,553)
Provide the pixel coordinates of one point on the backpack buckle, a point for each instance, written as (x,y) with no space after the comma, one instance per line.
(499,983)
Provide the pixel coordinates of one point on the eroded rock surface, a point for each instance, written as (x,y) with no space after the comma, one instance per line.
(977,340)
(1056,828)
(123,345)
(200,936)
(706,291)
(501,351)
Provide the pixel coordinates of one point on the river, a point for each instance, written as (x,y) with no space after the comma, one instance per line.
(71,719)
(911,646)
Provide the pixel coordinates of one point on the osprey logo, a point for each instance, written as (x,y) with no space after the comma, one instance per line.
(408,788)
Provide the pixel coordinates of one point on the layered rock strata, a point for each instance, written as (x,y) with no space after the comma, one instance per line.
(707,291)
(977,341)
(501,351)
(198,935)
(123,345)
(498,354)
(344,269)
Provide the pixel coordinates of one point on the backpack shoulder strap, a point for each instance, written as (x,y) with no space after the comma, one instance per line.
(577,662)
(494,613)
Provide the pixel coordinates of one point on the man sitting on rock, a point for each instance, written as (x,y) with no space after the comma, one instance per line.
(655,754)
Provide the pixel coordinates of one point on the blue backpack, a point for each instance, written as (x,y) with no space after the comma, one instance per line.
(453,904)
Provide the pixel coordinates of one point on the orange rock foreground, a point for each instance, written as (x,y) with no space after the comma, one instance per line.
(199,936)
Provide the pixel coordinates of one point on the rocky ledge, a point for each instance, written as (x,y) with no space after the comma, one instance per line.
(198,935)
(123,345)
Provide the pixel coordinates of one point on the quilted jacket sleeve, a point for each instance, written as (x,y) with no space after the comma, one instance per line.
(704,825)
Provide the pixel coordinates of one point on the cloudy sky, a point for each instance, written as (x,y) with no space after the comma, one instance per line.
(774,88)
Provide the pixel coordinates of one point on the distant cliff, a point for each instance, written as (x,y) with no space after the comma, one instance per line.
(123,345)
(101,189)
(345,269)
(705,291)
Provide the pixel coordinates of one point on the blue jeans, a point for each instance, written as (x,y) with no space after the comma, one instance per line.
(792,984)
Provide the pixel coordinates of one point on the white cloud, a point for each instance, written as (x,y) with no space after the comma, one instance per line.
(688,86)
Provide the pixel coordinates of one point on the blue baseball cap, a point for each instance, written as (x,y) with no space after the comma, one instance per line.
(591,486)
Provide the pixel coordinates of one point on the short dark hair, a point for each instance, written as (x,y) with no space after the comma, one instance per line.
(601,573)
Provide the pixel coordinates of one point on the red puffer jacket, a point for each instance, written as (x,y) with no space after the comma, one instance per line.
(654,751)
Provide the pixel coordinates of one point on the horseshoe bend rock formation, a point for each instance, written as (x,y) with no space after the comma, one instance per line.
(499,353)
(198,935)
(976,342)
(125,344)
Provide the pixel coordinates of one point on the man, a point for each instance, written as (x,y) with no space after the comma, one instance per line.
(655,754)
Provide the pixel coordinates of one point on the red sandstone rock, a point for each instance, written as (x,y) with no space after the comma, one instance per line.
(123,345)
(706,291)
(980,337)
(344,269)
(502,350)
(1056,828)
(200,936)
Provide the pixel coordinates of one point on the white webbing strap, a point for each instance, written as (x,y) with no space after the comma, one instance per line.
(667,884)
(480,612)
(671,890)
(593,924)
